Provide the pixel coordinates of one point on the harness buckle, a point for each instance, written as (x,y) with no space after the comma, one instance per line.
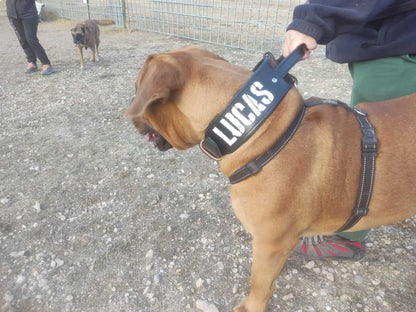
(360,112)
(369,142)
(253,167)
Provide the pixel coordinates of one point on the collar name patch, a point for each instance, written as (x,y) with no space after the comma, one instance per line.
(242,116)
(250,106)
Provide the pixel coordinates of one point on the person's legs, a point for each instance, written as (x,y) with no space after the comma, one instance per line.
(373,81)
(30,27)
(383,79)
(358,236)
(18,27)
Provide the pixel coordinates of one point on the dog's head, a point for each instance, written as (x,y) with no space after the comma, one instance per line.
(78,35)
(178,93)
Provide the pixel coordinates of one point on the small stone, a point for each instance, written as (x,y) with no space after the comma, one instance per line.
(330,276)
(4,200)
(399,251)
(184,216)
(199,283)
(42,283)
(17,254)
(20,279)
(359,279)
(287,297)
(149,254)
(375,282)
(69,298)
(309,265)
(323,292)
(37,206)
(344,298)
(157,278)
(8,297)
(59,262)
(206,306)
(235,288)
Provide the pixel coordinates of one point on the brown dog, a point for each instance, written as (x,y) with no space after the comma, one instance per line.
(87,35)
(311,186)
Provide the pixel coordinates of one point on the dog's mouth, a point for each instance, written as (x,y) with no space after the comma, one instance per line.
(158,140)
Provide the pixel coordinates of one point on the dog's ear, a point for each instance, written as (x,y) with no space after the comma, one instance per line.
(159,81)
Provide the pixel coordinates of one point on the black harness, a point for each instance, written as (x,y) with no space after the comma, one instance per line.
(251,106)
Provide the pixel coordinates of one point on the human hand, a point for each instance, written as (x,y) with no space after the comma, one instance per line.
(294,38)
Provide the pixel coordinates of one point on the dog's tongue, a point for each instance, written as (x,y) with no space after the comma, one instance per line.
(152,136)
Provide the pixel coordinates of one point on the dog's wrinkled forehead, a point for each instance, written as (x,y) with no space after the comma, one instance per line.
(78,31)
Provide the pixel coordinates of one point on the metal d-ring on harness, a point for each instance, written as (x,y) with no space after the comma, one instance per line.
(241,131)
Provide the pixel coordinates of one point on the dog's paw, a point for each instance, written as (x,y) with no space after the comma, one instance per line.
(240,308)
(249,306)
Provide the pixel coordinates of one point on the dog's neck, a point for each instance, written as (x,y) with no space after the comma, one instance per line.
(275,126)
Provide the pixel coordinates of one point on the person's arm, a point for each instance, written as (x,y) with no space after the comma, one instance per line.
(320,21)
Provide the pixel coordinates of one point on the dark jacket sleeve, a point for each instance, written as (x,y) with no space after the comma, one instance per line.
(359,30)
(326,19)
(21,9)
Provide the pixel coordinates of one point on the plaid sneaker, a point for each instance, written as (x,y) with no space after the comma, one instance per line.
(330,247)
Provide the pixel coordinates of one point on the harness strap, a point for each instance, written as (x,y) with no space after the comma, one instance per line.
(369,154)
(255,166)
(369,146)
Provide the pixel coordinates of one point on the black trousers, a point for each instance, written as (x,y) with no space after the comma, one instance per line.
(26,31)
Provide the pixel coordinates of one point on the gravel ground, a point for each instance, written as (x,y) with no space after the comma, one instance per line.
(94,219)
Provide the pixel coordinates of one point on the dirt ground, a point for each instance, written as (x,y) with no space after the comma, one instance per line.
(94,219)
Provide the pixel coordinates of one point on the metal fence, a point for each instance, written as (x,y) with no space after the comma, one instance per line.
(253,25)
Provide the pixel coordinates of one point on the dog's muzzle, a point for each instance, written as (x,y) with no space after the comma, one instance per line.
(158,140)
(78,39)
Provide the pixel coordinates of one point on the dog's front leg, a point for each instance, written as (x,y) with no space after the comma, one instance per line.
(81,59)
(93,54)
(269,258)
(97,54)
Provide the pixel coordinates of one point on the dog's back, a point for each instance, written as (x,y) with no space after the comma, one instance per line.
(92,28)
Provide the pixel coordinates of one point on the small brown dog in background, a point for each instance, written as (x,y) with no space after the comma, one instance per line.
(87,35)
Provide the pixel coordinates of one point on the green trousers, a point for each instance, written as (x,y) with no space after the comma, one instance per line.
(379,80)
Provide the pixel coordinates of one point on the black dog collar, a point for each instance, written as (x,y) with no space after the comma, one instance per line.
(251,105)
